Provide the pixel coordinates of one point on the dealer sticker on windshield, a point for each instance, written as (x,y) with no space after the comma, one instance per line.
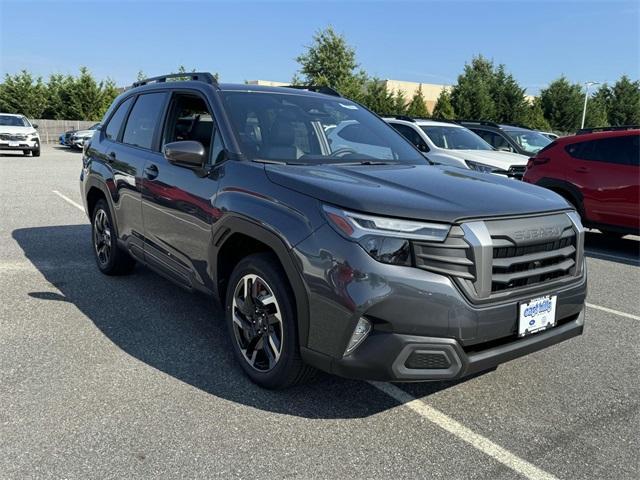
(537,314)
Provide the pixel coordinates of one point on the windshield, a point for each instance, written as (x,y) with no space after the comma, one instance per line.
(530,142)
(455,138)
(305,129)
(11,121)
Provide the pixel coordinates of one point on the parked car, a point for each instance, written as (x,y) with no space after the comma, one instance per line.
(18,134)
(509,138)
(79,137)
(448,143)
(598,172)
(367,263)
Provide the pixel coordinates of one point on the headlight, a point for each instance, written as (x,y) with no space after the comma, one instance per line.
(483,167)
(385,239)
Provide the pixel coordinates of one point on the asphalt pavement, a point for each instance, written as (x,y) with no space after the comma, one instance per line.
(132,377)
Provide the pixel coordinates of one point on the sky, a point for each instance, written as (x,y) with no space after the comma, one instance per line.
(427,41)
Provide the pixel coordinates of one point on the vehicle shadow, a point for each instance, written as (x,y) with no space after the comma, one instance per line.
(624,250)
(179,333)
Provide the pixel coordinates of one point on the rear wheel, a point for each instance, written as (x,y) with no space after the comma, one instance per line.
(111,259)
(261,320)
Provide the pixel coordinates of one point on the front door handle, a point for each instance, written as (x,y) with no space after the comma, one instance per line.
(111,157)
(151,171)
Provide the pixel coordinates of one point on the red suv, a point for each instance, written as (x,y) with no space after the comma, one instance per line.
(597,171)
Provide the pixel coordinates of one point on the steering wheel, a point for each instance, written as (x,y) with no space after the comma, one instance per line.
(341,152)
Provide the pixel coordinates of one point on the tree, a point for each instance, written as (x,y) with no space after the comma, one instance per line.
(21,93)
(330,61)
(624,108)
(399,103)
(535,117)
(471,96)
(377,98)
(108,94)
(443,108)
(86,102)
(510,103)
(417,106)
(598,107)
(561,103)
(58,93)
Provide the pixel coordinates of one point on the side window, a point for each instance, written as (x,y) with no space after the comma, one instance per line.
(190,119)
(143,119)
(411,135)
(115,123)
(618,150)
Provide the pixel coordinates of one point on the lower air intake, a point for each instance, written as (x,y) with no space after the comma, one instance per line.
(427,361)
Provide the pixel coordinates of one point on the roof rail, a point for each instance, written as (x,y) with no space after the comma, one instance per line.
(406,118)
(316,88)
(195,76)
(582,131)
(480,122)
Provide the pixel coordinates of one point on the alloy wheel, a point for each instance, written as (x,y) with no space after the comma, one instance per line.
(102,236)
(257,322)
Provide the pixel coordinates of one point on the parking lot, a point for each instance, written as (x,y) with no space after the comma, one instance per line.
(133,377)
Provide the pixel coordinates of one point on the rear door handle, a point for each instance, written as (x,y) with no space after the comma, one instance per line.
(111,157)
(151,171)
(582,170)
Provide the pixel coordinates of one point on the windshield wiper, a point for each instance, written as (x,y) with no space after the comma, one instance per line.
(366,162)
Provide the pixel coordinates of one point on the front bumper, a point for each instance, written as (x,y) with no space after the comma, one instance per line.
(20,144)
(392,357)
(414,310)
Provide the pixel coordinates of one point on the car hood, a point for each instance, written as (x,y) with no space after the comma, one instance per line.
(437,193)
(495,158)
(20,130)
(83,133)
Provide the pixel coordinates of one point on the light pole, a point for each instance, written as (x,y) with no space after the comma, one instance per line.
(586,97)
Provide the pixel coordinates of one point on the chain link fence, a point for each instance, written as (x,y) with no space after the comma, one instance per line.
(50,130)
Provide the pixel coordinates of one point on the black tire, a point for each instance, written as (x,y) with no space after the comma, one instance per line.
(26,153)
(111,259)
(288,369)
(36,152)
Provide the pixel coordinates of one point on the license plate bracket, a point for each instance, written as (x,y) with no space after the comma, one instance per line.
(537,314)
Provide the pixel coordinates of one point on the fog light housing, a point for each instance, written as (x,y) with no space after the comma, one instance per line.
(363,327)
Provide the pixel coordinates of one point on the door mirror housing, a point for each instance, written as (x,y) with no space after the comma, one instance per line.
(34,125)
(505,149)
(185,153)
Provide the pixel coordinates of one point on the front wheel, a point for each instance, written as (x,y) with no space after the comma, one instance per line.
(260,314)
(111,259)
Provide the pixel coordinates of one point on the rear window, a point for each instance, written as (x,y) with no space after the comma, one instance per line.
(143,120)
(623,150)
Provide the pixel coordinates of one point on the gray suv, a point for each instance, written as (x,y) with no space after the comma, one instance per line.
(364,261)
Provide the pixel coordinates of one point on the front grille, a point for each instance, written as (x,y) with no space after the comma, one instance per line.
(515,266)
(427,361)
(517,171)
(500,258)
(12,137)
(451,257)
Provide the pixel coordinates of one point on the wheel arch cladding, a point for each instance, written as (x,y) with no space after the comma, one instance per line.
(238,238)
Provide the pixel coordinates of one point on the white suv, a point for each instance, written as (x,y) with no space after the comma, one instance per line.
(451,144)
(17,133)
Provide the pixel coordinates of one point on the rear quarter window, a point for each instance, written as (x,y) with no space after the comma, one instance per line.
(115,122)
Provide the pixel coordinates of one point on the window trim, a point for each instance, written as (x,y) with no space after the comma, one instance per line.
(417,130)
(568,146)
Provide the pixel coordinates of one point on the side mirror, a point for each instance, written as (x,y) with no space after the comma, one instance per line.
(185,153)
(505,149)
(34,125)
